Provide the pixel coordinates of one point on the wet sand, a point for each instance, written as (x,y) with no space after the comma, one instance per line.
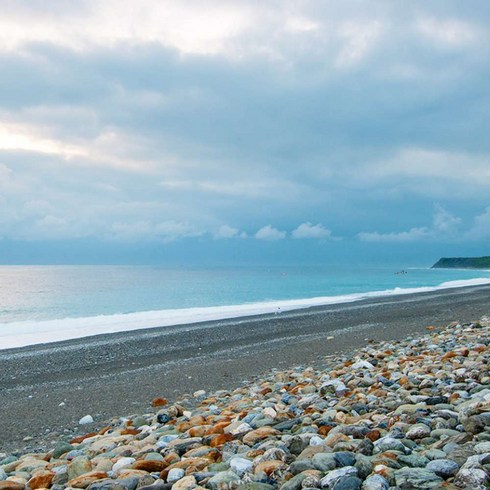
(119,374)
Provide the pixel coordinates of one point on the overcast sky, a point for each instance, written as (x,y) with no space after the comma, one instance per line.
(226,125)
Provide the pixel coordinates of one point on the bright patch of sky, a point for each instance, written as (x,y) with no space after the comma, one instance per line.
(227,124)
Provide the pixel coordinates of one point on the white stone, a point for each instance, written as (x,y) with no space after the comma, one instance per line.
(270,412)
(362,365)
(240,465)
(199,393)
(122,463)
(241,429)
(88,419)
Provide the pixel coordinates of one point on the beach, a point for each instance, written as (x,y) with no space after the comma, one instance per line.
(47,388)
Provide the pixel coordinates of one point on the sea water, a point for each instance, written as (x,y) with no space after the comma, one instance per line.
(49,303)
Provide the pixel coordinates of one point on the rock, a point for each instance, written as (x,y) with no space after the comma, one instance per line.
(390,444)
(348,483)
(223,480)
(413,460)
(256,486)
(11,485)
(185,483)
(240,465)
(41,479)
(445,468)
(471,478)
(122,463)
(294,483)
(375,482)
(159,402)
(175,474)
(324,461)
(418,431)
(474,424)
(365,447)
(482,447)
(88,419)
(416,478)
(85,480)
(79,466)
(344,458)
(114,484)
(256,435)
(61,449)
(334,476)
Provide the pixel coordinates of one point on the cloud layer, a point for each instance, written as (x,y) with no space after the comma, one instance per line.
(160,121)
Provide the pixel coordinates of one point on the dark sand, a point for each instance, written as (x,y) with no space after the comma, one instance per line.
(120,374)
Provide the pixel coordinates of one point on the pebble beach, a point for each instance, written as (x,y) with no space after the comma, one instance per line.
(408,413)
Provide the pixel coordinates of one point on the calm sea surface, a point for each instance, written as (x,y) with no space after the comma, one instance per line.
(55,292)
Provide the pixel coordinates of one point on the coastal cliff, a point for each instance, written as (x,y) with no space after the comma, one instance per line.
(462,263)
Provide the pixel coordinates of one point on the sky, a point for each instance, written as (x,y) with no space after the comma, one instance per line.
(157,131)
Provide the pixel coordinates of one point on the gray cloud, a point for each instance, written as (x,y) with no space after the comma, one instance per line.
(308,113)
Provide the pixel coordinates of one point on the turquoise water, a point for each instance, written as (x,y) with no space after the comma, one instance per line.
(37,293)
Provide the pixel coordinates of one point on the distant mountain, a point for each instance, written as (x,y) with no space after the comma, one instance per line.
(462,263)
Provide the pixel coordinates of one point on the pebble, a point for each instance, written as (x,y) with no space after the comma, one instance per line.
(408,414)
(88,419)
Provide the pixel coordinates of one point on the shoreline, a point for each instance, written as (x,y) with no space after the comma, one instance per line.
(33,333)
(121,373)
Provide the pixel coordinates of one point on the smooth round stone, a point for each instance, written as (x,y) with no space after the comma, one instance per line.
(348,483)
(164,440)
(316,441)
(3,475)
(344,458)
(324,461)
(444,468)
(61,449)
(432,454)
(365,447)
(364,465)
(390,444)
(413,460)
(175,474)
(301,465)
(437,433)
(471,478)
(122,463)
(334,476)
(416,479)
(418,431)
(482,447)
(375,482)
(79,466)
(294,483)
(74,453)
(256,486)
(240,465)
(87,419)
(224,479)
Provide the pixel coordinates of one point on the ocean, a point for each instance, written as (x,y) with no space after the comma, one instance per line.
(41,304)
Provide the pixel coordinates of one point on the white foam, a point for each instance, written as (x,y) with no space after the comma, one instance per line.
(23,333)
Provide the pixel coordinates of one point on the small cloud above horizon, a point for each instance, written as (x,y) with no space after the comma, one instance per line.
(307,230)
(270,233)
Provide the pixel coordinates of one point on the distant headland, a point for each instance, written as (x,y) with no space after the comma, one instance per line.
(462,263)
